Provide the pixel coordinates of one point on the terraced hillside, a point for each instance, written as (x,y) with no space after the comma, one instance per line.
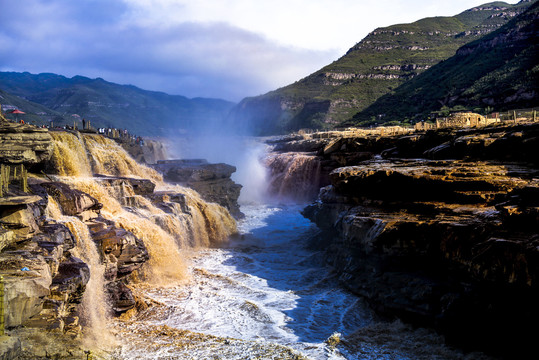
(499,71)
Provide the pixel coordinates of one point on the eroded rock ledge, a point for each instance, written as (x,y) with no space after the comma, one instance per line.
(211,181)
(452,244)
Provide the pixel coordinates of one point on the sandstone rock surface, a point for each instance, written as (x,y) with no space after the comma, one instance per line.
(24,144)
(450,243)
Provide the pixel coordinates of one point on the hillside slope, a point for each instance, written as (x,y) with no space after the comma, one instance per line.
(499,71)
(107,104)
(377,65)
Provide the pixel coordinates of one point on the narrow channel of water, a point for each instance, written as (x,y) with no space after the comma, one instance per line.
(267,296)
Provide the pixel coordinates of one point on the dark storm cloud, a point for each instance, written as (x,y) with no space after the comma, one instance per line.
(96,39)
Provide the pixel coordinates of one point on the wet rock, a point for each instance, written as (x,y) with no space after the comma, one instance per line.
(120,296)
(73,202)
(70,282)
(138,186)
(128,252)
(122,253)
(168,200)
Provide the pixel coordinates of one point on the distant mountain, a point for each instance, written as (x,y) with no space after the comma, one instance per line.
(107,104)
(34,113)
(380,63)
(498,71)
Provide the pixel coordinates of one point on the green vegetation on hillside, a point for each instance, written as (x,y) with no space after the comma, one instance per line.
(379,64)
(499,71)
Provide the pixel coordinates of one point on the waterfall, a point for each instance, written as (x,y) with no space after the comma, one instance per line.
(166,232)
(109,158)
(69,154)
(294,176)
(94,302)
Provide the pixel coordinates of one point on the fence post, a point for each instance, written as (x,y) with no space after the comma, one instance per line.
(4,179)
(24,179)
(2,324)
(1,180)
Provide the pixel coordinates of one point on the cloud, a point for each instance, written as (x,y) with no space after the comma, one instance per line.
(211,48)
(210,59)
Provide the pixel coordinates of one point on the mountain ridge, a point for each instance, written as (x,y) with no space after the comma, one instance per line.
(498,70)
(107,104)
(375,66)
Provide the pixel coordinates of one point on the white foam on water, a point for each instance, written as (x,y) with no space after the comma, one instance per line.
(267,296)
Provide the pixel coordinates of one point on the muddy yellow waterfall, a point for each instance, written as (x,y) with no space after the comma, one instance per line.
(167,233)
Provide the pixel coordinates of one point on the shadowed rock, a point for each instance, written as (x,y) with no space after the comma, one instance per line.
(72,201)
(211,181)
(452,244)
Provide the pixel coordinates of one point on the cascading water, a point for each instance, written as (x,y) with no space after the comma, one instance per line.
(94,303)
(264,295)
(294,176)
(166,234)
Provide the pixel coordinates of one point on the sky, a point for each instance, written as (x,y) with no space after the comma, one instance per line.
(227,49)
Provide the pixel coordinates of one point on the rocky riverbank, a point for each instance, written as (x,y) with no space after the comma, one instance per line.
(438,228)
(71,248)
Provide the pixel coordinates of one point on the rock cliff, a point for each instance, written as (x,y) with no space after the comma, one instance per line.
(437,228)
(211,181)
(24,144)
(71,247)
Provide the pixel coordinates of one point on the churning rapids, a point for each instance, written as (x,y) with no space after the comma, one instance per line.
(266,295)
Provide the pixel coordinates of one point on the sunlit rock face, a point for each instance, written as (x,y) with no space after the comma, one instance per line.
(449,243)
(70,246)
(43,280)
(24,144)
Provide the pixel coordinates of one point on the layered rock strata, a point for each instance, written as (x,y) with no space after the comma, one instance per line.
(440,229)
(43,281)
(24,144)
(211,181)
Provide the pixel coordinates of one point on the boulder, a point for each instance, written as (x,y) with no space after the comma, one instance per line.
(10,347)
(73,202)
(27,280)
(70,282)
(18,219)
(128,251)
(120,296)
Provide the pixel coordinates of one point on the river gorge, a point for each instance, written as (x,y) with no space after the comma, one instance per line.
(340,246)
